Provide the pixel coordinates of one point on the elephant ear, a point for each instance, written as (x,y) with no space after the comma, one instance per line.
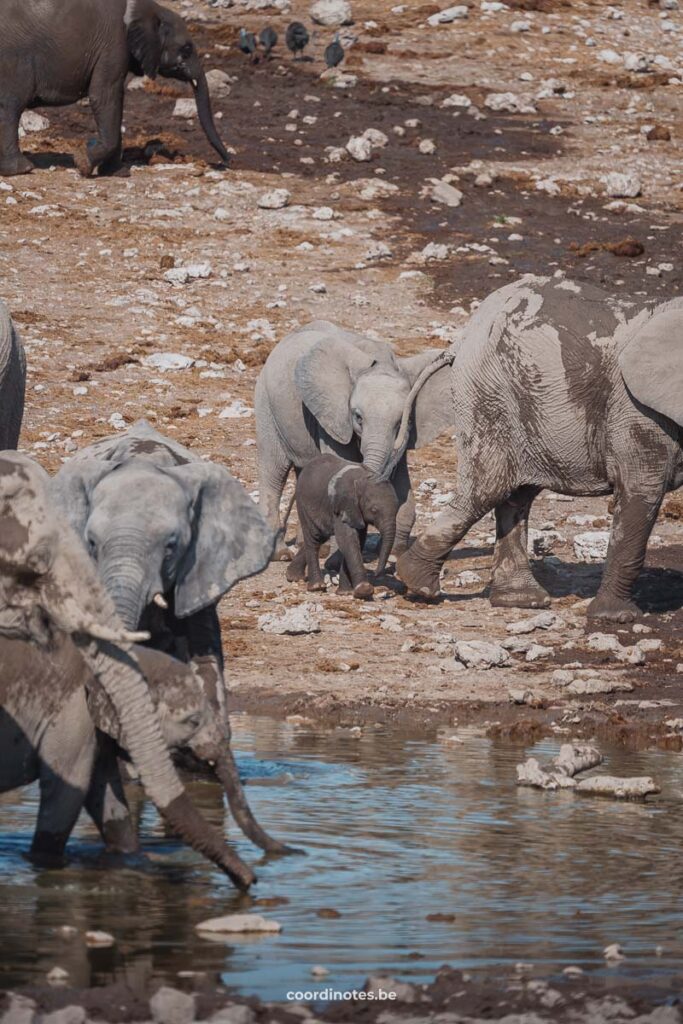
(432,412)
(71,489)
(230,538)
(144,36)
(652,363)
(325,376)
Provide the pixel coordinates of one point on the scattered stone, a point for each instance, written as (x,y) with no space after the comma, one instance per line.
(359,148)
(442,192)
(572,759)
(171,1006)
(562,677)
(537,652)
(591,546)
(636,788)
(372,189)
(237,410)
(185,107)
(510,102)
(191,272)
(166,361)
(433,251)
(520,696)
(467,578)
(99,940)
(542,542)
(587,687)
(304,618)
(620,186)
(481,654)
(520,26)
(458,13)
(57,976)
(276,199)
(218,82)
(32,121)
(331,12)
(457,99)
(544,620)
(233,923)
(427,147)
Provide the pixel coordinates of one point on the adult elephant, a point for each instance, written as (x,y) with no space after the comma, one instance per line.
(170,534)
(556,384)
(12,380)
(325,389)
(55,52)
(50,596)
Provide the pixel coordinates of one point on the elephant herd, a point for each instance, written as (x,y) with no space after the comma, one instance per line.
(112,570)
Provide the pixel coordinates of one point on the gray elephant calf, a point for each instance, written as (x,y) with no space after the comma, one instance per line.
(55,52)
(335,497)
(324,388)
(12,381)
(557,384)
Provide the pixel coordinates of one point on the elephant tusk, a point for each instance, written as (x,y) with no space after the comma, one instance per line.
(115,636)
(160,601)
(195,83)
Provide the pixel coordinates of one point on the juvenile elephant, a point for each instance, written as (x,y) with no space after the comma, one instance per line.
(12,381)
(52,600)
(335,497)
(55,52)
(327,389)
(558,385)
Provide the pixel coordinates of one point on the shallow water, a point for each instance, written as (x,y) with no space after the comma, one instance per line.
(394,829)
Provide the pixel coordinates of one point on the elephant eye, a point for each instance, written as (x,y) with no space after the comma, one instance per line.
(186,50)
(92,548)
(171,545)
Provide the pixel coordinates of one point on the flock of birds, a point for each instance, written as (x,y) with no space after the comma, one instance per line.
(297,39)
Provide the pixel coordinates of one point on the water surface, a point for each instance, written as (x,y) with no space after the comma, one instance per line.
(395,830)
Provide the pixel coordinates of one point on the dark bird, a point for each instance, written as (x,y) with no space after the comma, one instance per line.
(334,53)
(268,40)
(297,37)
(247,44)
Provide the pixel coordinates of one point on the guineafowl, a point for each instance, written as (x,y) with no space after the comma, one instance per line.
(247,44)
(268,40)
(297,37)
(334,53)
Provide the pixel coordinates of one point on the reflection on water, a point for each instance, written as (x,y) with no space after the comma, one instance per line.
(395,829)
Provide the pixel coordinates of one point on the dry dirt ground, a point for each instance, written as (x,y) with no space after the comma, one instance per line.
(83,264)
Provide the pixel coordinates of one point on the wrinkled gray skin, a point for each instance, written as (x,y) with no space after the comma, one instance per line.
(340,499)
(327,389)
(55,52)
(59,727)
(12,381)
(557,385)
(52,599)
(161,523)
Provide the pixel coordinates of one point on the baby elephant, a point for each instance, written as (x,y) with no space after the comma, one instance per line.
(341,498)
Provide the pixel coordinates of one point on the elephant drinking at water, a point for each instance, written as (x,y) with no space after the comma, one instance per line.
(556,384)
(327,389)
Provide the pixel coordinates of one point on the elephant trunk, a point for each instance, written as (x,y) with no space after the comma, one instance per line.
(201,95)
(387,530)
(227,773)
(122,573)
(446,358)
(376,453)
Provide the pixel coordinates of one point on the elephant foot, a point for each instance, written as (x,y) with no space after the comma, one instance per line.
(316,586)
(282,553)
(294,573)
(84,165)
(612,608)
(420,574)
(525,594)
(16,165)
(363,591)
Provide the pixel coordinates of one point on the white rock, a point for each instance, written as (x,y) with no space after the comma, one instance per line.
(237,410)
(171,1006)
(481,654)
(359,148)
(544,620)
(542,542)
(276,199)
(432,251)
(304,618)
(378,251)
(442,192)
(622,789)
(218,82)
(520,26)
(591,546)
(185,107)
(323,213)
(191,272)
(620,185)
(165,361)
(562,677)
(586,687)
(467,578)
(457,13)
(457,99)
(608,56)
(117,421)
(372,189)
(537,652)
(31,121)
(510,102)
(649,644)
(391,623)
(331,12)
(232,923)
(427,147)
(97,939)
(57,976)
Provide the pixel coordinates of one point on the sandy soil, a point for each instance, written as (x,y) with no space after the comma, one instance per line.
(83,265)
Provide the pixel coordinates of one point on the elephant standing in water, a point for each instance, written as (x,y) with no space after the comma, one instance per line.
(55,52)
(327,389)
(170,534)
(12,381)
(558,385)
(55,616)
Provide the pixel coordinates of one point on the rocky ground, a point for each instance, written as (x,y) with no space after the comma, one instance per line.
(177,256)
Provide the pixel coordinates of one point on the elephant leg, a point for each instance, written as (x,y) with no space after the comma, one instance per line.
(296,570)
(12,160)
(405,518)
(352,574)
(512,582)
(420,566)
(311,548)
(106,802)
(635,513)
(274,465)
(106,101)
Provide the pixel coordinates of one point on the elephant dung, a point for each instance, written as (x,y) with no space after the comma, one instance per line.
(481,654)
(171,1006)
(238,923)
(305,618)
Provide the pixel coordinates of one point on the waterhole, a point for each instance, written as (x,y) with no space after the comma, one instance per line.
(395,831)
